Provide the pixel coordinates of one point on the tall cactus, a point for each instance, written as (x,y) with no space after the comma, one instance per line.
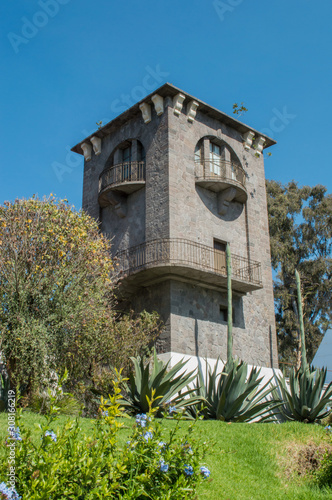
(229,308)
(300,313)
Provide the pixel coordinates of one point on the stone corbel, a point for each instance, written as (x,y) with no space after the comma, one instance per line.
(96,143)
(259,144)
(248,138)
(158,102)
(178,103)
(87,149)
(224,199)
(146,112)
(117,200)
(191,110)
(121,209)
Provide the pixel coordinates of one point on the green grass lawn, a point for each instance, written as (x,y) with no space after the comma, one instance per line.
(247,461)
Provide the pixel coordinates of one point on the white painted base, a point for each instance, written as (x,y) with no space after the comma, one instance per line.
(194,361)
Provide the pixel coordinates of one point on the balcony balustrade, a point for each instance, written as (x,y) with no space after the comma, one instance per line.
(178,258)
(219,175)
(124,178)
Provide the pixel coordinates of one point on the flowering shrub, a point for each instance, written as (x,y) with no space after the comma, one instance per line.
(66,464)
(52,435)
(57,280)
(14,435)
(8,493)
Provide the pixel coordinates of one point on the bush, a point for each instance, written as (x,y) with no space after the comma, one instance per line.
(57,297)
(55,286)
(323,475)
(65,464)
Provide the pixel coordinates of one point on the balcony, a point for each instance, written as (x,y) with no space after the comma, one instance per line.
(185,260)
(124,178)
(219,175)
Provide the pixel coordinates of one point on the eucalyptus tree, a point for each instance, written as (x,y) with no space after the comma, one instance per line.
(300,222)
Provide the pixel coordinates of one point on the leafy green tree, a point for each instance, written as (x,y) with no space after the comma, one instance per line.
(56,292)
(300,221)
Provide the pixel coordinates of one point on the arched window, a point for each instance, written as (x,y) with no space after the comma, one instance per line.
(127,162)
(128,151)
(216,158)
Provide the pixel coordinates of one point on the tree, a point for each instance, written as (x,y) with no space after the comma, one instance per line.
(300,221)
(56,292)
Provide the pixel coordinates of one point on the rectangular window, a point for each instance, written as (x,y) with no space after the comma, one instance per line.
(126,159)
(233,171)
(126,155)
(219,256)
(215,158)
(224,313)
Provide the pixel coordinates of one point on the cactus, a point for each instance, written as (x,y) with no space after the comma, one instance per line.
(300,313)
(229,309)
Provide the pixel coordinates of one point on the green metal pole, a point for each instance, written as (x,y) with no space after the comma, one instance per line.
(300,310)
(229,308)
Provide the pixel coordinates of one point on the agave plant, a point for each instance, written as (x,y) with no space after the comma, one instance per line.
(233,395)
(305,399)
(164,383)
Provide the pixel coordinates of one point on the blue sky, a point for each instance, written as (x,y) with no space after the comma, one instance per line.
(67,64)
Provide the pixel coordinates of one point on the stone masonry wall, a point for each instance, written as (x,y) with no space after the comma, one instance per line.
(194,216)
(156,298)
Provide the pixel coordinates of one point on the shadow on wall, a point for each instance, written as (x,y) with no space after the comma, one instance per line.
(209,199)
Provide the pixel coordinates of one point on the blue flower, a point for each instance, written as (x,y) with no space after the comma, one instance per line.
(163,466)
(104,413)
(9,493)
(142,419)
(188,470)
(328,428)
(51,434)
(130,445)
(205,471)
(147,436)
(162,444)
(187,447)
(172,409)
(14,435)
(17,435)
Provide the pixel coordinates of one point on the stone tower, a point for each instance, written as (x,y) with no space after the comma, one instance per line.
(172,180)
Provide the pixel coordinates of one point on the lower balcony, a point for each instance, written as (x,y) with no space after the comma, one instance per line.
(185,260)
(124,178)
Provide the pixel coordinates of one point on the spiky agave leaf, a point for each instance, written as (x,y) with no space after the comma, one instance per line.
(167,384)
(305,399)
(243,398)
(233,395)
(206,389)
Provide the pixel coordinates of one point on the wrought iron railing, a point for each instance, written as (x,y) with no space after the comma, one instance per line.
(133,171)
(182,252)
(220,170)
